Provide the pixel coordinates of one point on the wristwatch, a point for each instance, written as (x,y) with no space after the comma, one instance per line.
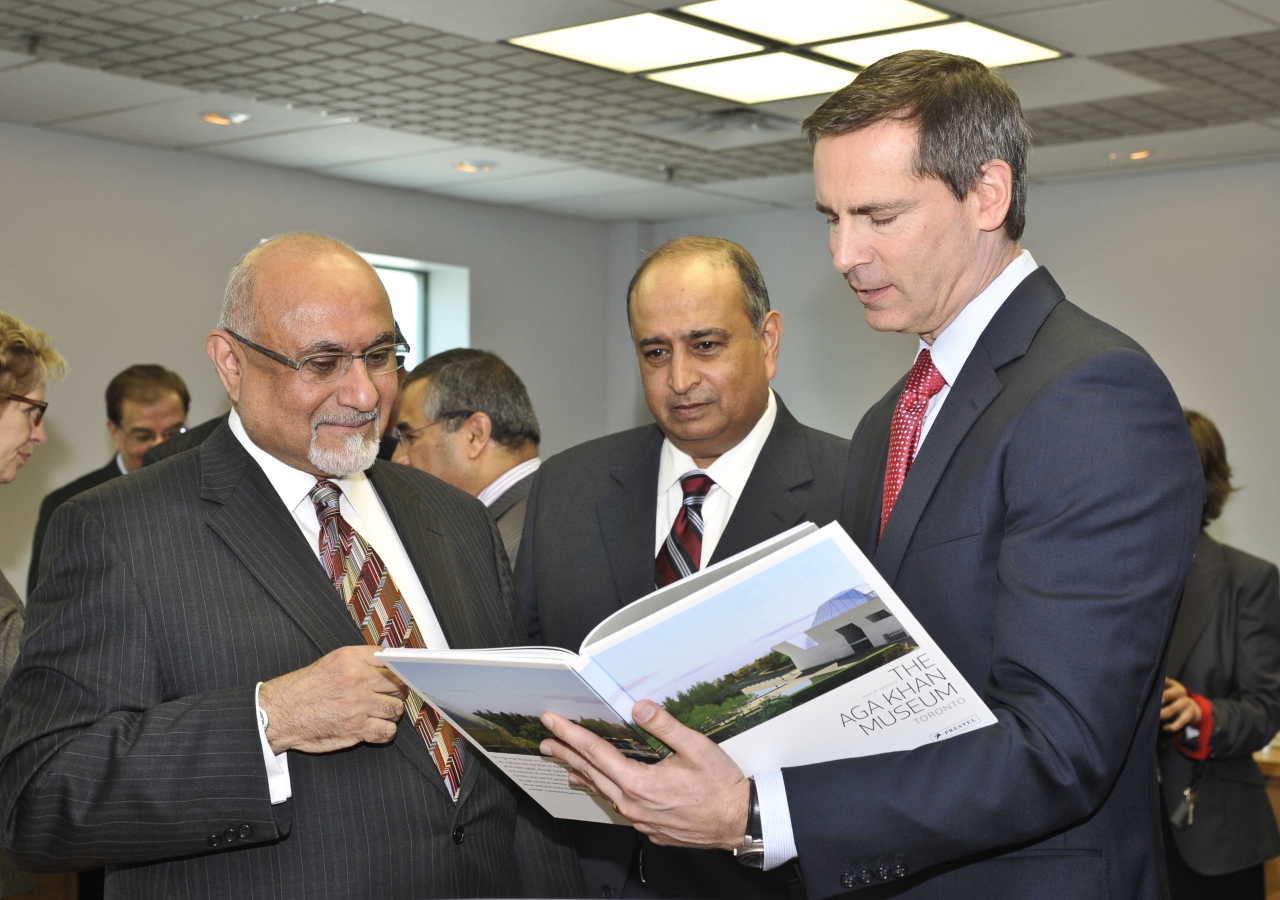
(751,852)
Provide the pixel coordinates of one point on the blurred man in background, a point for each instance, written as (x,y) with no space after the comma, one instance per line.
(146,405)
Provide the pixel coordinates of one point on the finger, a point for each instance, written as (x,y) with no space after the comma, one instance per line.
(670,730)
(589,774)
(377,731)
(599,753)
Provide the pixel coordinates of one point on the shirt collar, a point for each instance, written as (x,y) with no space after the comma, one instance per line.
(503,482)
(732,469)
(293,485)
(952,347)
(120,464)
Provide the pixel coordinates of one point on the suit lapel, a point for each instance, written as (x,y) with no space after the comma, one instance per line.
(1007,337)
(1206,581)
(512,496)
(626,512)
(767,506)
(864,481)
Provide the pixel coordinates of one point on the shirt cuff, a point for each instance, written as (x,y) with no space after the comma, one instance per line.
(775,819)
(277,763)
(1194,741)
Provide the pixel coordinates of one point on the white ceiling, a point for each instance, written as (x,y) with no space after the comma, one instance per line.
(357,131)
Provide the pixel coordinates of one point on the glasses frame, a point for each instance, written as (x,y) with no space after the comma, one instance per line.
(407,436)
(400,347)
(38,406)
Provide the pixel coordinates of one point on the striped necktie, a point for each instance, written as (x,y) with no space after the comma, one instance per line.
(681,553)
(383,617)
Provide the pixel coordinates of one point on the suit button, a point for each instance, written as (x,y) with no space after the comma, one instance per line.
(900,871)
(245,832)
(215,840)
(230,836)
(848,880)
(883,873)
(606,892)
(458,834)
(865,877)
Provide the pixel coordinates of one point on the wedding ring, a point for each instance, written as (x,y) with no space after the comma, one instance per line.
(615,809)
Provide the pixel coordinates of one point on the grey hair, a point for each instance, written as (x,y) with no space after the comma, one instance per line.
(239,313)
(754,293)
(481,382)
(965,116)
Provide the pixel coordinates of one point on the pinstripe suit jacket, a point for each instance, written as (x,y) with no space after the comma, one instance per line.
(130,728)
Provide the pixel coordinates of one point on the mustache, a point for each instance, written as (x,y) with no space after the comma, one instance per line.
(344,418)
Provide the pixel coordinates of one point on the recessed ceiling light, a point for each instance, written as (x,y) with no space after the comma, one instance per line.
(474,168)
(1139,154)
(214,118)
(990,47)
(806,21)
(759,79)
(637,43)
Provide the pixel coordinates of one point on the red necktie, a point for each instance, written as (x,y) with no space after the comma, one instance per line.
(383,617)
(923,381)
(681,553)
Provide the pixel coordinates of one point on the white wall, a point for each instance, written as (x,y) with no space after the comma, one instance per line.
(120,253)
(1187,262)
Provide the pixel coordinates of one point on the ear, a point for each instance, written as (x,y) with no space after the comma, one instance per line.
(993,194)
(117,435)
(222,350)
(771,337)
(478,429)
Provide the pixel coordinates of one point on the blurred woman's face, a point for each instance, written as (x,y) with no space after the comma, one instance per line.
(18,436)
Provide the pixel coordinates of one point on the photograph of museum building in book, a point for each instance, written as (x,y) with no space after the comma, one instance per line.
(848,625)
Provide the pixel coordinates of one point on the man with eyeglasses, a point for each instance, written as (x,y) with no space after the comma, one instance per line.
(199,704)
(146,405)
(466,417)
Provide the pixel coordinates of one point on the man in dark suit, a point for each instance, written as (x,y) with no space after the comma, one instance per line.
(146,406)
(1032,494)
(466,417)
(604,523)
(197,704)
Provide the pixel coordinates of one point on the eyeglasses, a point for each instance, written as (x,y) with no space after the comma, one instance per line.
(321,368)
(409,435)
(147,436)
(35,408)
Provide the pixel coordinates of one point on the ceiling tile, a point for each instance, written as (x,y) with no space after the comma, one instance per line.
(1167,150)
(1058,82)
(437,169)
(1113,25)
(178,123)
(565,184)
(495,20)
(1268,9)
(9,60)
(657,203)
(795,108)
(786,190)
(331,146)
(51,92)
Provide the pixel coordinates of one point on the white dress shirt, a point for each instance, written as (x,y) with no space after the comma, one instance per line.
(950,351)
(729,472)
(120,464)
(361,507)
(503,482)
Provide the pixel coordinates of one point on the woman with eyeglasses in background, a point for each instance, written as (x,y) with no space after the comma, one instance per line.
(27,362)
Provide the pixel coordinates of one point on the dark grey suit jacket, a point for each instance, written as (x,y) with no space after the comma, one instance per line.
(52,501)
(508,512)
(1042,537)
(587,551)
(1226,647)
(131,736)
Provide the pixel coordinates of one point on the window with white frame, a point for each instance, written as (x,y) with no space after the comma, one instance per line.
(431,303)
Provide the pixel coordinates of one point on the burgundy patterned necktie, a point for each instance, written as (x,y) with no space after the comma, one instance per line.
(923,381)
(681,553)
(383,618)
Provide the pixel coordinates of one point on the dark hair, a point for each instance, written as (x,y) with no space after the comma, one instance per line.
(754,294)
(472,381)
(433,364)
(965,115)
(144,384)
(1213,460)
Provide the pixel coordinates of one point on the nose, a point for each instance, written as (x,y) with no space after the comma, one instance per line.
(849,247)
(401,454)
(356,389)
(38,435)
(683,372)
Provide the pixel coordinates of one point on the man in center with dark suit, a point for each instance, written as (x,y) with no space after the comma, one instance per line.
(198,704)
(725,466)
(1029,489)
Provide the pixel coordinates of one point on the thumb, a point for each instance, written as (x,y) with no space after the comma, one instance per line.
(667,728)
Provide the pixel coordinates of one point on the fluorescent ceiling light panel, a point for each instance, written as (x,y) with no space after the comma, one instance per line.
(637,43)
(989,47)
(759,79)
(806,21)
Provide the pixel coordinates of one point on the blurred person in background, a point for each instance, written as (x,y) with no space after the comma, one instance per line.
(146,405)
(487,440)
(1221,703)
(27,361)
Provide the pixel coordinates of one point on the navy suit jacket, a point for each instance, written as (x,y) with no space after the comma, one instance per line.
(1042,537)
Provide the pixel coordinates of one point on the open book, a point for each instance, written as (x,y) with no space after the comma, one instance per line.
(793,652)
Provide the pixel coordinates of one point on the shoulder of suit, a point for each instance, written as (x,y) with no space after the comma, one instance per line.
(1071,330)
(84,483)
(1245,567)
(406,478)
(602,453)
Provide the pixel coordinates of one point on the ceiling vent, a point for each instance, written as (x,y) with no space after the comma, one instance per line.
(724,129)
